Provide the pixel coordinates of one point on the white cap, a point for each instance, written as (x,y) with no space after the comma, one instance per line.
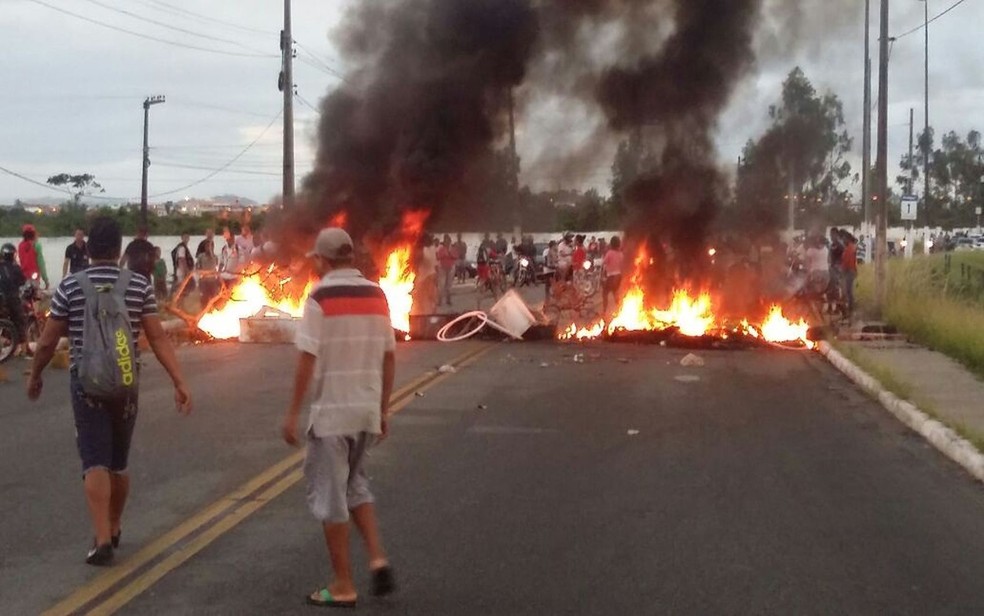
(333,243)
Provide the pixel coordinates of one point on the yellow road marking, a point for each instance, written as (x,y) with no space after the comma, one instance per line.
(227,523)
(71,604)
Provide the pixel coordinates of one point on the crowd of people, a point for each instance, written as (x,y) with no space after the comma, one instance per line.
(831,265)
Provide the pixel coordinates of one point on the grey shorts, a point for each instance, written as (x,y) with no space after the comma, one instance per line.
(335,473)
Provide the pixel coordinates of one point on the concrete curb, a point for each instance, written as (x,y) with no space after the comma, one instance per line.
(951,444)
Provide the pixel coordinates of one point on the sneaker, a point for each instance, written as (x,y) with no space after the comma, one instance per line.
(100,556)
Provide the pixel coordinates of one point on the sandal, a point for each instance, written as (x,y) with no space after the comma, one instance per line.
(323,598)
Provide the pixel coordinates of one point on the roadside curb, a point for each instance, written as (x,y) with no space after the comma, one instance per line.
(945,439)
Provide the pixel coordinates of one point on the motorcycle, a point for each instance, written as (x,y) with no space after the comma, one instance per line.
(525,274)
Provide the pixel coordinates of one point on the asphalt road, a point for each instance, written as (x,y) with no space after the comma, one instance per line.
(762,482)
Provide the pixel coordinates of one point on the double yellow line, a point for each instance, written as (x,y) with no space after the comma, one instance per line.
(118,586)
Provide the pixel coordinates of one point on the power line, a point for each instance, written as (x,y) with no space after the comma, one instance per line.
(182,12)
(215,172)
(314,55)
(152,38)
(55,188)
(162,24)
(923,25)
(190,103)
(309,105)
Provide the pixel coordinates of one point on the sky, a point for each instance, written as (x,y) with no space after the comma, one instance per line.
(75,88)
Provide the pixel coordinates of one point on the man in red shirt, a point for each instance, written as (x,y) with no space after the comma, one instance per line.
(849,270)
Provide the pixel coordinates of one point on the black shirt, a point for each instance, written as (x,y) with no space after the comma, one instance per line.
(11,279)
(77,257)
(203,247)
(139,257)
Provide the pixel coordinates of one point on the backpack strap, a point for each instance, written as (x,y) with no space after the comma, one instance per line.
(88,289)
(120,286)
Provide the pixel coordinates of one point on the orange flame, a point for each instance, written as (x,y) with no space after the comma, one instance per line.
(692,315)
(397,285)
(398,277)
(247,298)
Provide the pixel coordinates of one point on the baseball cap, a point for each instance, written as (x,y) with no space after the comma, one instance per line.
(332,243)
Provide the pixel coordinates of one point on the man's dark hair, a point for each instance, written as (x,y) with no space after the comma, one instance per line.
(105,239)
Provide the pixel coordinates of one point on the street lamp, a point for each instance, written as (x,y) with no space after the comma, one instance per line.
(151,100)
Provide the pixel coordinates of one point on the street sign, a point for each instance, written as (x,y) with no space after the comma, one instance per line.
(910,207)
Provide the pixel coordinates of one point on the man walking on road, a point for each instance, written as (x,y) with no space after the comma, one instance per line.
(104,427)
(347,348)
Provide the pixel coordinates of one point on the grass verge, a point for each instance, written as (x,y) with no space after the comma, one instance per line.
(919,305)
(903,390)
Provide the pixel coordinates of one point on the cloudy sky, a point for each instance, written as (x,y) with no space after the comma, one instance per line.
(75,87)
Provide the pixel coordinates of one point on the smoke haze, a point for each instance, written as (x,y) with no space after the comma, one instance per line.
(419,120)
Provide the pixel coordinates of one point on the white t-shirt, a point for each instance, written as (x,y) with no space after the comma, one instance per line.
(346,326)
(244,246)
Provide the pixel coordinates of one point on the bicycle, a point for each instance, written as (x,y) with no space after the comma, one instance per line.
(8,340)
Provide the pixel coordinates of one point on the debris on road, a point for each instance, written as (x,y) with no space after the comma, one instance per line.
(544,365)
(579,358)
(482,407)
(692,360)
(687,378)
(419,394)
(447,369)
(633,432)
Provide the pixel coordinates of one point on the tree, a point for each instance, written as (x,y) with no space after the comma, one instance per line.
(79,185)
(801,156)
(956,172)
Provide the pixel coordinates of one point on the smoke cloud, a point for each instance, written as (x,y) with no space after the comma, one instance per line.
(418,122)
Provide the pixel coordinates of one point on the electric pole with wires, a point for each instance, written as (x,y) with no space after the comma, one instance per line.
(150,100)
(286,85)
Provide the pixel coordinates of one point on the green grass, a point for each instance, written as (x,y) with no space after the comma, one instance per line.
(922,303)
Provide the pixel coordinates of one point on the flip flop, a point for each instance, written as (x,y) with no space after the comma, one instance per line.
(383,582)
(323,598)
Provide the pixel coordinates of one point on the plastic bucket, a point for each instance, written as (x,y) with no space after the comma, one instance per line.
(511,315)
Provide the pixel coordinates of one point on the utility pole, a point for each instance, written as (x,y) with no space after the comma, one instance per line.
(930,219)
(881,166)
(286,84)
(912,161)
(866,138)
(150,100)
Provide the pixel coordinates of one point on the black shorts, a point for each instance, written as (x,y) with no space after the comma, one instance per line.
(612,284)
(103,430)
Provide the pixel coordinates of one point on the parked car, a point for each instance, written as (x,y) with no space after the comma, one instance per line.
(964,244)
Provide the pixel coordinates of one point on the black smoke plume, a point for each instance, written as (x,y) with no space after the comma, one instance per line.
(414,127)
(419,119)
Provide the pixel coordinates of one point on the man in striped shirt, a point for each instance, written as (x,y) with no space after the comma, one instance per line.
(104,429)
(347,348)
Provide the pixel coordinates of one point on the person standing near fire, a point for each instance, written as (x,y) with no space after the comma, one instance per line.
(31,258)
(612,270)
(447,259)
(229,257)
(347,351)
(849,270)
(76,255)
(461,250)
